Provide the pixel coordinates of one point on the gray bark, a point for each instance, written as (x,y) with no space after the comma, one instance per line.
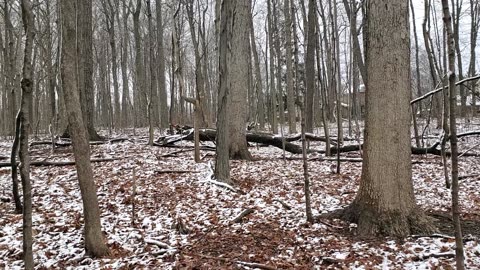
(93,237)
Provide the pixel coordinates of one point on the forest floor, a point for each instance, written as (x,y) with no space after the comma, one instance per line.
(184,221)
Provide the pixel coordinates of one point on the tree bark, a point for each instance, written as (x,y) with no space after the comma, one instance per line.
(85,66)
(237,73)
(94,240)
(258,77)
(222,165)
(13,156)
(25,115)
(162,88)
(385,203)
(310,66)
(459,253)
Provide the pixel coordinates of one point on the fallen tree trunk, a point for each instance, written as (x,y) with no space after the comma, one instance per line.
(65,143)
(276,141)
(211,134)
(57,163)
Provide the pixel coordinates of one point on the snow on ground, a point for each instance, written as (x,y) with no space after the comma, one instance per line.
(184,221)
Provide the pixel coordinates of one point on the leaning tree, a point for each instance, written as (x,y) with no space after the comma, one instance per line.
(94,240)
(385,203)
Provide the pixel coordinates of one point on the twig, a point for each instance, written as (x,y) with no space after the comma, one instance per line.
(434,255)
(440,89)
(175,152)
(134,192)
(466,151)
(220,184)
(174,171)
(256,265)
(462,177)
(157,243)
(248,264)
(286,206)
(329,225)
(243,214)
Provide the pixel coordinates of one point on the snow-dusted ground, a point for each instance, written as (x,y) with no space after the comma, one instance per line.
(272,235)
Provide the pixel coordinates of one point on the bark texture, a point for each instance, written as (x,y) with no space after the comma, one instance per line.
(222,165)
(94,241)
(25,116)
(238,65)
(385,203)
(447,19)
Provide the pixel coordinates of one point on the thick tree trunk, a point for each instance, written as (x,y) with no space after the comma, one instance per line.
(385,203)
(222,165)
(93,237)
(140,86)
(237,72)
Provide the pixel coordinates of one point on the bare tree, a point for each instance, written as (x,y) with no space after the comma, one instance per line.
(94,241)
(447,19)
(289,64)
(238,71)
(385,203)
(222,165)
(310,65)
(25,116)
(162,89)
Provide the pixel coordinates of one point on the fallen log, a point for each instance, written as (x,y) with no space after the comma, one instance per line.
(58,163)
(65,143)
(276,141)
(211,134)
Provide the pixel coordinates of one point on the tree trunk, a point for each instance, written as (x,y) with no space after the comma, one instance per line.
(25,115)
(456,14)
(199,73)
(85,66)
(110,19)
(459,254)
(140,84)
(238,72)
(124,60)
(258,77)
(94,241)
(288,47)
(310,66)
(222,165)
(385,203)
(271,66)
(162,88)
(13,156)
(9,68)
(474,25)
